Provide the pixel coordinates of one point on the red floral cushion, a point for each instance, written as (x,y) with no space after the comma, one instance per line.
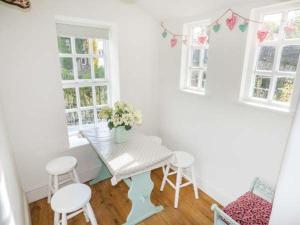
(249,209)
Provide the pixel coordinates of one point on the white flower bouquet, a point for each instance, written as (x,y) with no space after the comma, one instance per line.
(122,115)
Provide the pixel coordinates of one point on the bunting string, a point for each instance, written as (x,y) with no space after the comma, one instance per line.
(230,22)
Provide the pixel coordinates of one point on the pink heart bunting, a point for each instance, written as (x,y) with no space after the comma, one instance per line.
(202,39)
(231,22)
(262,34)
(173,42)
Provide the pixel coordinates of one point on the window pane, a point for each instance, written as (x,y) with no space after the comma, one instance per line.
(64,44)
(261,87)
(72,118)
(70,98)
(98,47)
(101,95)
(87,116)
(266,58)
(99,67)
(203,79)
(292,29)
(86,96)
(82,46)
(205,58)
(283,90)
(289,58)
(66,68)
(83,68)
(196,57)
(194,82)
(272,24)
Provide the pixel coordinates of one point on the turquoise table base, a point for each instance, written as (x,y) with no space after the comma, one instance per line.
(102,175)
(139,193)
(140,188)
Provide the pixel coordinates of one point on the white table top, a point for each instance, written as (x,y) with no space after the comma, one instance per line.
(139,154)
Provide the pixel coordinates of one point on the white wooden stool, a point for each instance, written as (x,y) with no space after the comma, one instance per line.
(71,200)
(180,161)
(60,166)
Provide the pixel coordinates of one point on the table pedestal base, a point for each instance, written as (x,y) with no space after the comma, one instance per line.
(139,193)
(102,175)
(140,188)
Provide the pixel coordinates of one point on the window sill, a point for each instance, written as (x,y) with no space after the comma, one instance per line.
(263,106)
(190,91)
(76,140)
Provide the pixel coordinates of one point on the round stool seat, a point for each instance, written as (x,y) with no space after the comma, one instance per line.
(182,159)
(61,165)
(71,198)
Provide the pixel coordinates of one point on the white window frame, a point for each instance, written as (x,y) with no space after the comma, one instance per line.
(93,82)
(186,59)
(251,57)
(111,70)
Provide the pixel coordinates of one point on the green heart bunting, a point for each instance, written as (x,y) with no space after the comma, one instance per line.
(216,27)
(164,34)
(243,27)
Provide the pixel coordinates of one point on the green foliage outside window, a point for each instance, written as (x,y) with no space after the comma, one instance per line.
(82,46)
(101,95)
(86,96)
(66,68)
(284,88)
(70,98)
(64,44)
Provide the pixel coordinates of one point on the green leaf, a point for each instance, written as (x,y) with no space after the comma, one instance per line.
(110,125)
(127,127)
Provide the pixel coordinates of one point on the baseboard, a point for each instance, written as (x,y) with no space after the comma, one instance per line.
(42,191)
(211,191)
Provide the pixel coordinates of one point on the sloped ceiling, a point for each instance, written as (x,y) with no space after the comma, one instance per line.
(169,9)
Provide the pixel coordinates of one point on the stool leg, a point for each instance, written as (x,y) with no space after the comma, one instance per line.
(75,176)
(91,214)
(194,183)
(56,218)
(178,183)
(163,169)
(86,215)
(50,188)
(55,183)
(165,178)
(64,219)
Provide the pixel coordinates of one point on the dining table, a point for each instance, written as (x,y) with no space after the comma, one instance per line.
(131,162)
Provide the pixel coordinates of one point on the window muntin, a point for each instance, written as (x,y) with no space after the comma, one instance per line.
(196,57)
(85,80)
(276,62)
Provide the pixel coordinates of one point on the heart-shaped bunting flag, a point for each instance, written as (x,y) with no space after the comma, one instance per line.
(202,39)
(262,34)
(231,22)
(243,27)
(173,42)
(217,27)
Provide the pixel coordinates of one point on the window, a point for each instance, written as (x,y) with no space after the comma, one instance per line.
(83,55)
(195,57)
(273,63)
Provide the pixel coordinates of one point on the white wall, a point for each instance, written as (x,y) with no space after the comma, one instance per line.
(13,205)
(232,142)
(30,87)
(287,196)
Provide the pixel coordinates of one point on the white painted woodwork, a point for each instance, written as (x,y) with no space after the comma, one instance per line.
(181,160)
(71,200)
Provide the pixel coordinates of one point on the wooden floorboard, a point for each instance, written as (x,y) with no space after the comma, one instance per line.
(111,206)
